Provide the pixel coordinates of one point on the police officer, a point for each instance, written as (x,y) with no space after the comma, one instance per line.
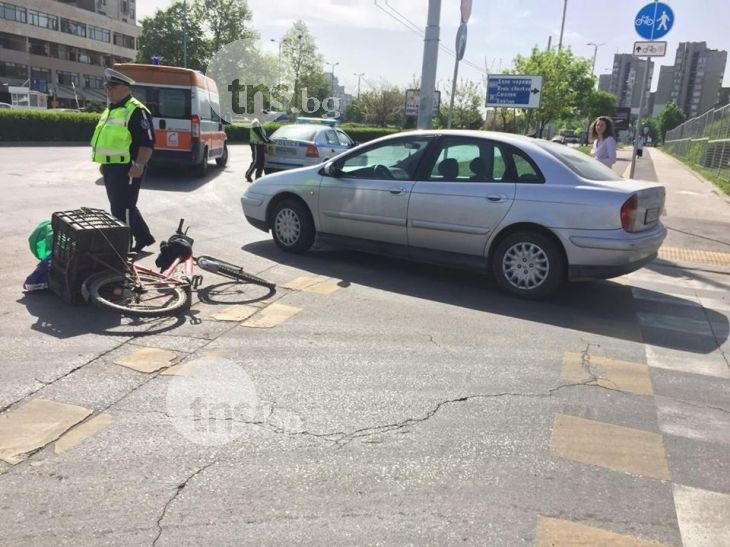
(256,140)
(122,143)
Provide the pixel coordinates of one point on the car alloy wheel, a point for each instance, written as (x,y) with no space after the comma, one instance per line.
(292,227)
(528,264)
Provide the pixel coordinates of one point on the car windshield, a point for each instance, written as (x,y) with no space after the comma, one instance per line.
(296,132)
(580,163)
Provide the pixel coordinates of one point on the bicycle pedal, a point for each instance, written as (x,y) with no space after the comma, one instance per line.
(196,281)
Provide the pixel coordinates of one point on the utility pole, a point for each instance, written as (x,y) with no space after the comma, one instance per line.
(185,33)
(428,69)
(595,52)
(332,78)
(359,75)
(562,25)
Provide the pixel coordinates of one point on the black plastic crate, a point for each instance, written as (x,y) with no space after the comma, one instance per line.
(85,241)
(88,232)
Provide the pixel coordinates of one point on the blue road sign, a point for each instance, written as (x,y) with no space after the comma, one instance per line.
(654,20)
(510,91)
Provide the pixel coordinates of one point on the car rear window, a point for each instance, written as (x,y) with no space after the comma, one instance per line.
(581,164)
(300,132)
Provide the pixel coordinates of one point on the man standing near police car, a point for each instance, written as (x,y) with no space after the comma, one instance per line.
(122,143)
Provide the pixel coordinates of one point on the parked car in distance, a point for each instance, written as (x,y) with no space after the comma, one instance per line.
(301,144)
(534,214)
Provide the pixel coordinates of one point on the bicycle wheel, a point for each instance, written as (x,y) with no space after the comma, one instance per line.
(153,296)
(231,271)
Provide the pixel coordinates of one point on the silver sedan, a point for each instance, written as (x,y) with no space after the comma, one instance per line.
(532,213)
(298,145)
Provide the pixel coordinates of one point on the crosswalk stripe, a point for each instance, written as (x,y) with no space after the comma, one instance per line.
(681,324)
(552,531)
(610,446)
(609,373)
(710,425)
(703,516)
(706,364)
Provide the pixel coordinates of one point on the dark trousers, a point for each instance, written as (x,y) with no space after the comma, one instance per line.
(258,153)
(123,199)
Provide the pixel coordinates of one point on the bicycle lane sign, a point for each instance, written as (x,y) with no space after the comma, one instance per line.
(654,20)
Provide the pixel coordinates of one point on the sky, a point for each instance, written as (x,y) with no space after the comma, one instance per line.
(384,39)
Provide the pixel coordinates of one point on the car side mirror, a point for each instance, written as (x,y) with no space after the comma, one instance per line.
(330,169)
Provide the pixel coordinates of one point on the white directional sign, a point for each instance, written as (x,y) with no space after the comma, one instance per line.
(650,49)
(511,91)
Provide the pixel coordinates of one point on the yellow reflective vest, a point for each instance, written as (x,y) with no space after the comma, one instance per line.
(111,140)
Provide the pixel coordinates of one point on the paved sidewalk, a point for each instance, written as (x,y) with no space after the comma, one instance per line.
(697,213)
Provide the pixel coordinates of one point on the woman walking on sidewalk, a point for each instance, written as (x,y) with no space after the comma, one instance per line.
(604,141)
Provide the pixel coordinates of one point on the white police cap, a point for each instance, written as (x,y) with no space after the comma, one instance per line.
(112,76)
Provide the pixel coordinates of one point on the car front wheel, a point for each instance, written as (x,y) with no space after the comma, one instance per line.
(292,227)
(528,265)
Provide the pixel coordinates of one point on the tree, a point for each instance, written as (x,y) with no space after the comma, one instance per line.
(162,36)
(383,106)
(468,100)
(598,103)
(669,118)
(301,59)
(567,80)
(224,20)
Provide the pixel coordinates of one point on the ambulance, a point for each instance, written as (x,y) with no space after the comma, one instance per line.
(185,108)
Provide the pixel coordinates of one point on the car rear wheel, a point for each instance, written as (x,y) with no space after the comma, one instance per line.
(528,265)
(202,168)
(223,159)
(292,227)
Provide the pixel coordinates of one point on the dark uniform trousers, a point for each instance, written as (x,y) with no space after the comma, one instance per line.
(123,199)
(258,154)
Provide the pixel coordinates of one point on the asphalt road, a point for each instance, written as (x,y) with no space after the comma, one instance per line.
(367,401)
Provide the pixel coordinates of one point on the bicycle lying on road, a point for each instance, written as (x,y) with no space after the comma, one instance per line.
(136,290)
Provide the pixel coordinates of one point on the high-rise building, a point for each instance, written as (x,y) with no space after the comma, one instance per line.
(60,47)
(663,95)
(626,80)
(696,77)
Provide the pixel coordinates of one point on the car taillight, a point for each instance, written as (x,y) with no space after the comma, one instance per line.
(195,126)
(628,213)
(312,151)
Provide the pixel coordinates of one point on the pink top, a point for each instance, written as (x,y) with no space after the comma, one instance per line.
(604,150)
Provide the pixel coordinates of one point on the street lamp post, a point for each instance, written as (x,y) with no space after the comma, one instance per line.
(278,60)
(359,75)
(332,78)
(595,52)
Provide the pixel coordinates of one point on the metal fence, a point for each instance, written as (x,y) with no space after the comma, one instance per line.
(704,141)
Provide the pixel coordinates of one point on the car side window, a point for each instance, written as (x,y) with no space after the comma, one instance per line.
(523,168)
(331,137)
(453,161)
(343,138)
(394,160)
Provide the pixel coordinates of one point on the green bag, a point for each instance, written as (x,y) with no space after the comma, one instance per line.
(41,240)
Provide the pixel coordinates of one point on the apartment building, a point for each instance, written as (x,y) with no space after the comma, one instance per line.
(61,47)
(626,80)
(696,77)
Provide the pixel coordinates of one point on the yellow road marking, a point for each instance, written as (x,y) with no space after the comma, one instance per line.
(551,532)
(271,316)
(35,424)
(609,373)
(147,360)
(675,254)
(614,447)
(238,312)
(82,432)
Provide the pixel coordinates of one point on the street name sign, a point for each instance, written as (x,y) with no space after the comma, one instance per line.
(650,49)
(654,20)
(513,91)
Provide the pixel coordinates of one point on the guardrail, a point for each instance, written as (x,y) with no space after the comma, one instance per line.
(704,141)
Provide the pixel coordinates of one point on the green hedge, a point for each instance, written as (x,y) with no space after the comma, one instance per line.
(46,125)
(20,125)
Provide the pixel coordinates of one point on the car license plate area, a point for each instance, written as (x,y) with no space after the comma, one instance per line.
(285,151)
(651,215)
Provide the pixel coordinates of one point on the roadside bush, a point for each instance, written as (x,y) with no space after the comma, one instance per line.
(17,124)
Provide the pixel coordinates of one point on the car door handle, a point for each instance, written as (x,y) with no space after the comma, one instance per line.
(397,190)
(497,198)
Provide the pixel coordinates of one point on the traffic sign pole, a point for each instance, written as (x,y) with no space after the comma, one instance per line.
(637,130)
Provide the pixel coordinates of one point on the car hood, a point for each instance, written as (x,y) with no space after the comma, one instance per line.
(293,178)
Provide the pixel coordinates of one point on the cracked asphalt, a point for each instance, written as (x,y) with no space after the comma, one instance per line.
(403,405)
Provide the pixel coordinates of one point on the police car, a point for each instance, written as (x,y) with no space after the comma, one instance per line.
(302,144)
